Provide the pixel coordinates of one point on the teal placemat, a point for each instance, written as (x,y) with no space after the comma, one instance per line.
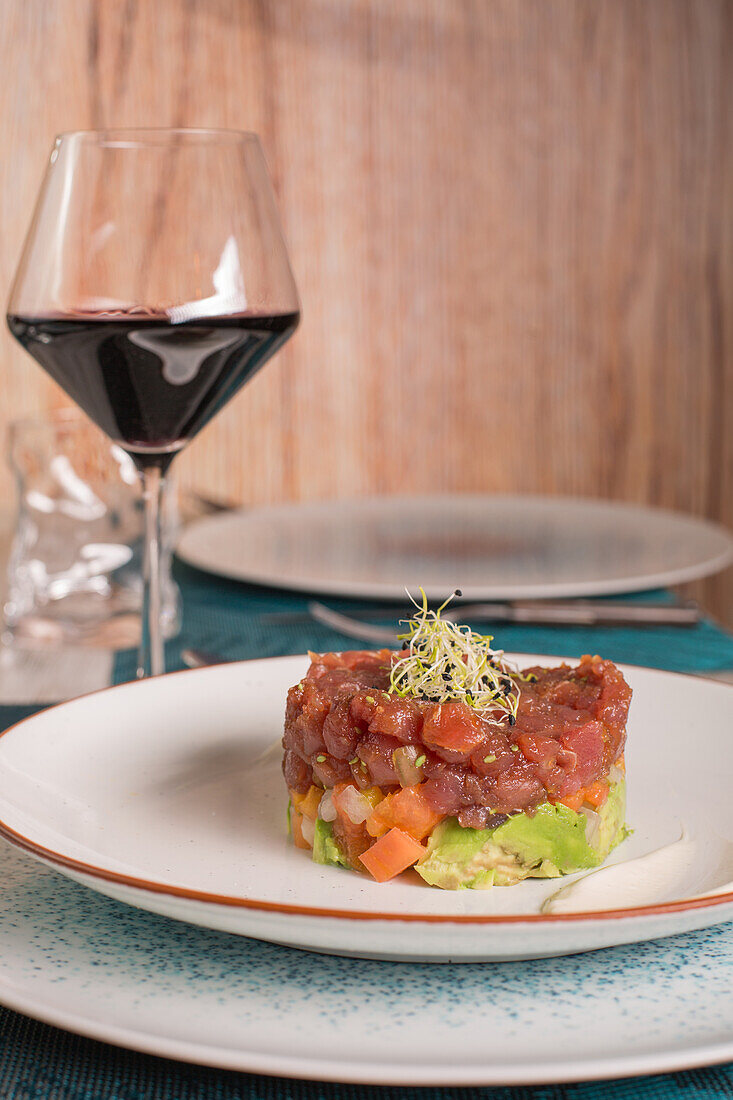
(42,1063)
(231,619)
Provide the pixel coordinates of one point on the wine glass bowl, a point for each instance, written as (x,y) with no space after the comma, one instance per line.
(154,282)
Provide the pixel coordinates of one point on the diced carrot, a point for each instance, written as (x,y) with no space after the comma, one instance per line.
(307,804)
(621,765)
(414,813)
(380,820)
(391,854)
(572,801)
(597,793)
(296,825)
(408,810)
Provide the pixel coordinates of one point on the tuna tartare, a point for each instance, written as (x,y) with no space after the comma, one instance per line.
(444,758)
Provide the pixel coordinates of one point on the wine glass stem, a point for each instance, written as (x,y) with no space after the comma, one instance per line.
(151,659)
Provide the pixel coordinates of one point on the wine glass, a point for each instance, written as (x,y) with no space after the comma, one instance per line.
(154,282)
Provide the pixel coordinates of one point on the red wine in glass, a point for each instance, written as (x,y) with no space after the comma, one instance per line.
(150,384)
(154,282)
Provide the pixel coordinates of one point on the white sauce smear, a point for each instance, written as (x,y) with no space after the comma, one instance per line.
(684,869)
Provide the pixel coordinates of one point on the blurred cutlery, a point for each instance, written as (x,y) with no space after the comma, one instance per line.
(537,612)
(352,628)
(200,658)
(575,613)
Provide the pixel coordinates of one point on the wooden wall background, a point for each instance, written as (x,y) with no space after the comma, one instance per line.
(510,222)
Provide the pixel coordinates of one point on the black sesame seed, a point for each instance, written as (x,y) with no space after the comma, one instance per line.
(512,720)
(458,592)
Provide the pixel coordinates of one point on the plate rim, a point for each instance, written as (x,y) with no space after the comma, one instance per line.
(69,863)
(205,1054)
(382,590)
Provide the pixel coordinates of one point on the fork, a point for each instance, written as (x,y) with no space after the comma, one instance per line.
(574,613)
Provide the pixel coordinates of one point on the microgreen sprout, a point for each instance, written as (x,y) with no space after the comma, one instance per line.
(443,661)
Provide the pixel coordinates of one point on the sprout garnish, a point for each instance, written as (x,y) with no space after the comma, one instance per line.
(444,661)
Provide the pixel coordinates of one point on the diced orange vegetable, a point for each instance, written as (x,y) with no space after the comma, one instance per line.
(621,765)
(597,793)
(391,854)
(296,826)
(380,820)
(408,810)
(572,801)
(307,804)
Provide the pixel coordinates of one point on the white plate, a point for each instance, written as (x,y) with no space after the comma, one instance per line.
(167,794)
(85,963)
(492,547)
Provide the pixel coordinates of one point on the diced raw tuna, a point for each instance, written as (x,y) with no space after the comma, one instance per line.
(343,725)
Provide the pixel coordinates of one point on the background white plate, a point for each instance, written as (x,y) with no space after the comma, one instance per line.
(492,547)
(167,794)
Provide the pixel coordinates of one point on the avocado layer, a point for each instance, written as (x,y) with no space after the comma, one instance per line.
(554,841)
(325,848)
